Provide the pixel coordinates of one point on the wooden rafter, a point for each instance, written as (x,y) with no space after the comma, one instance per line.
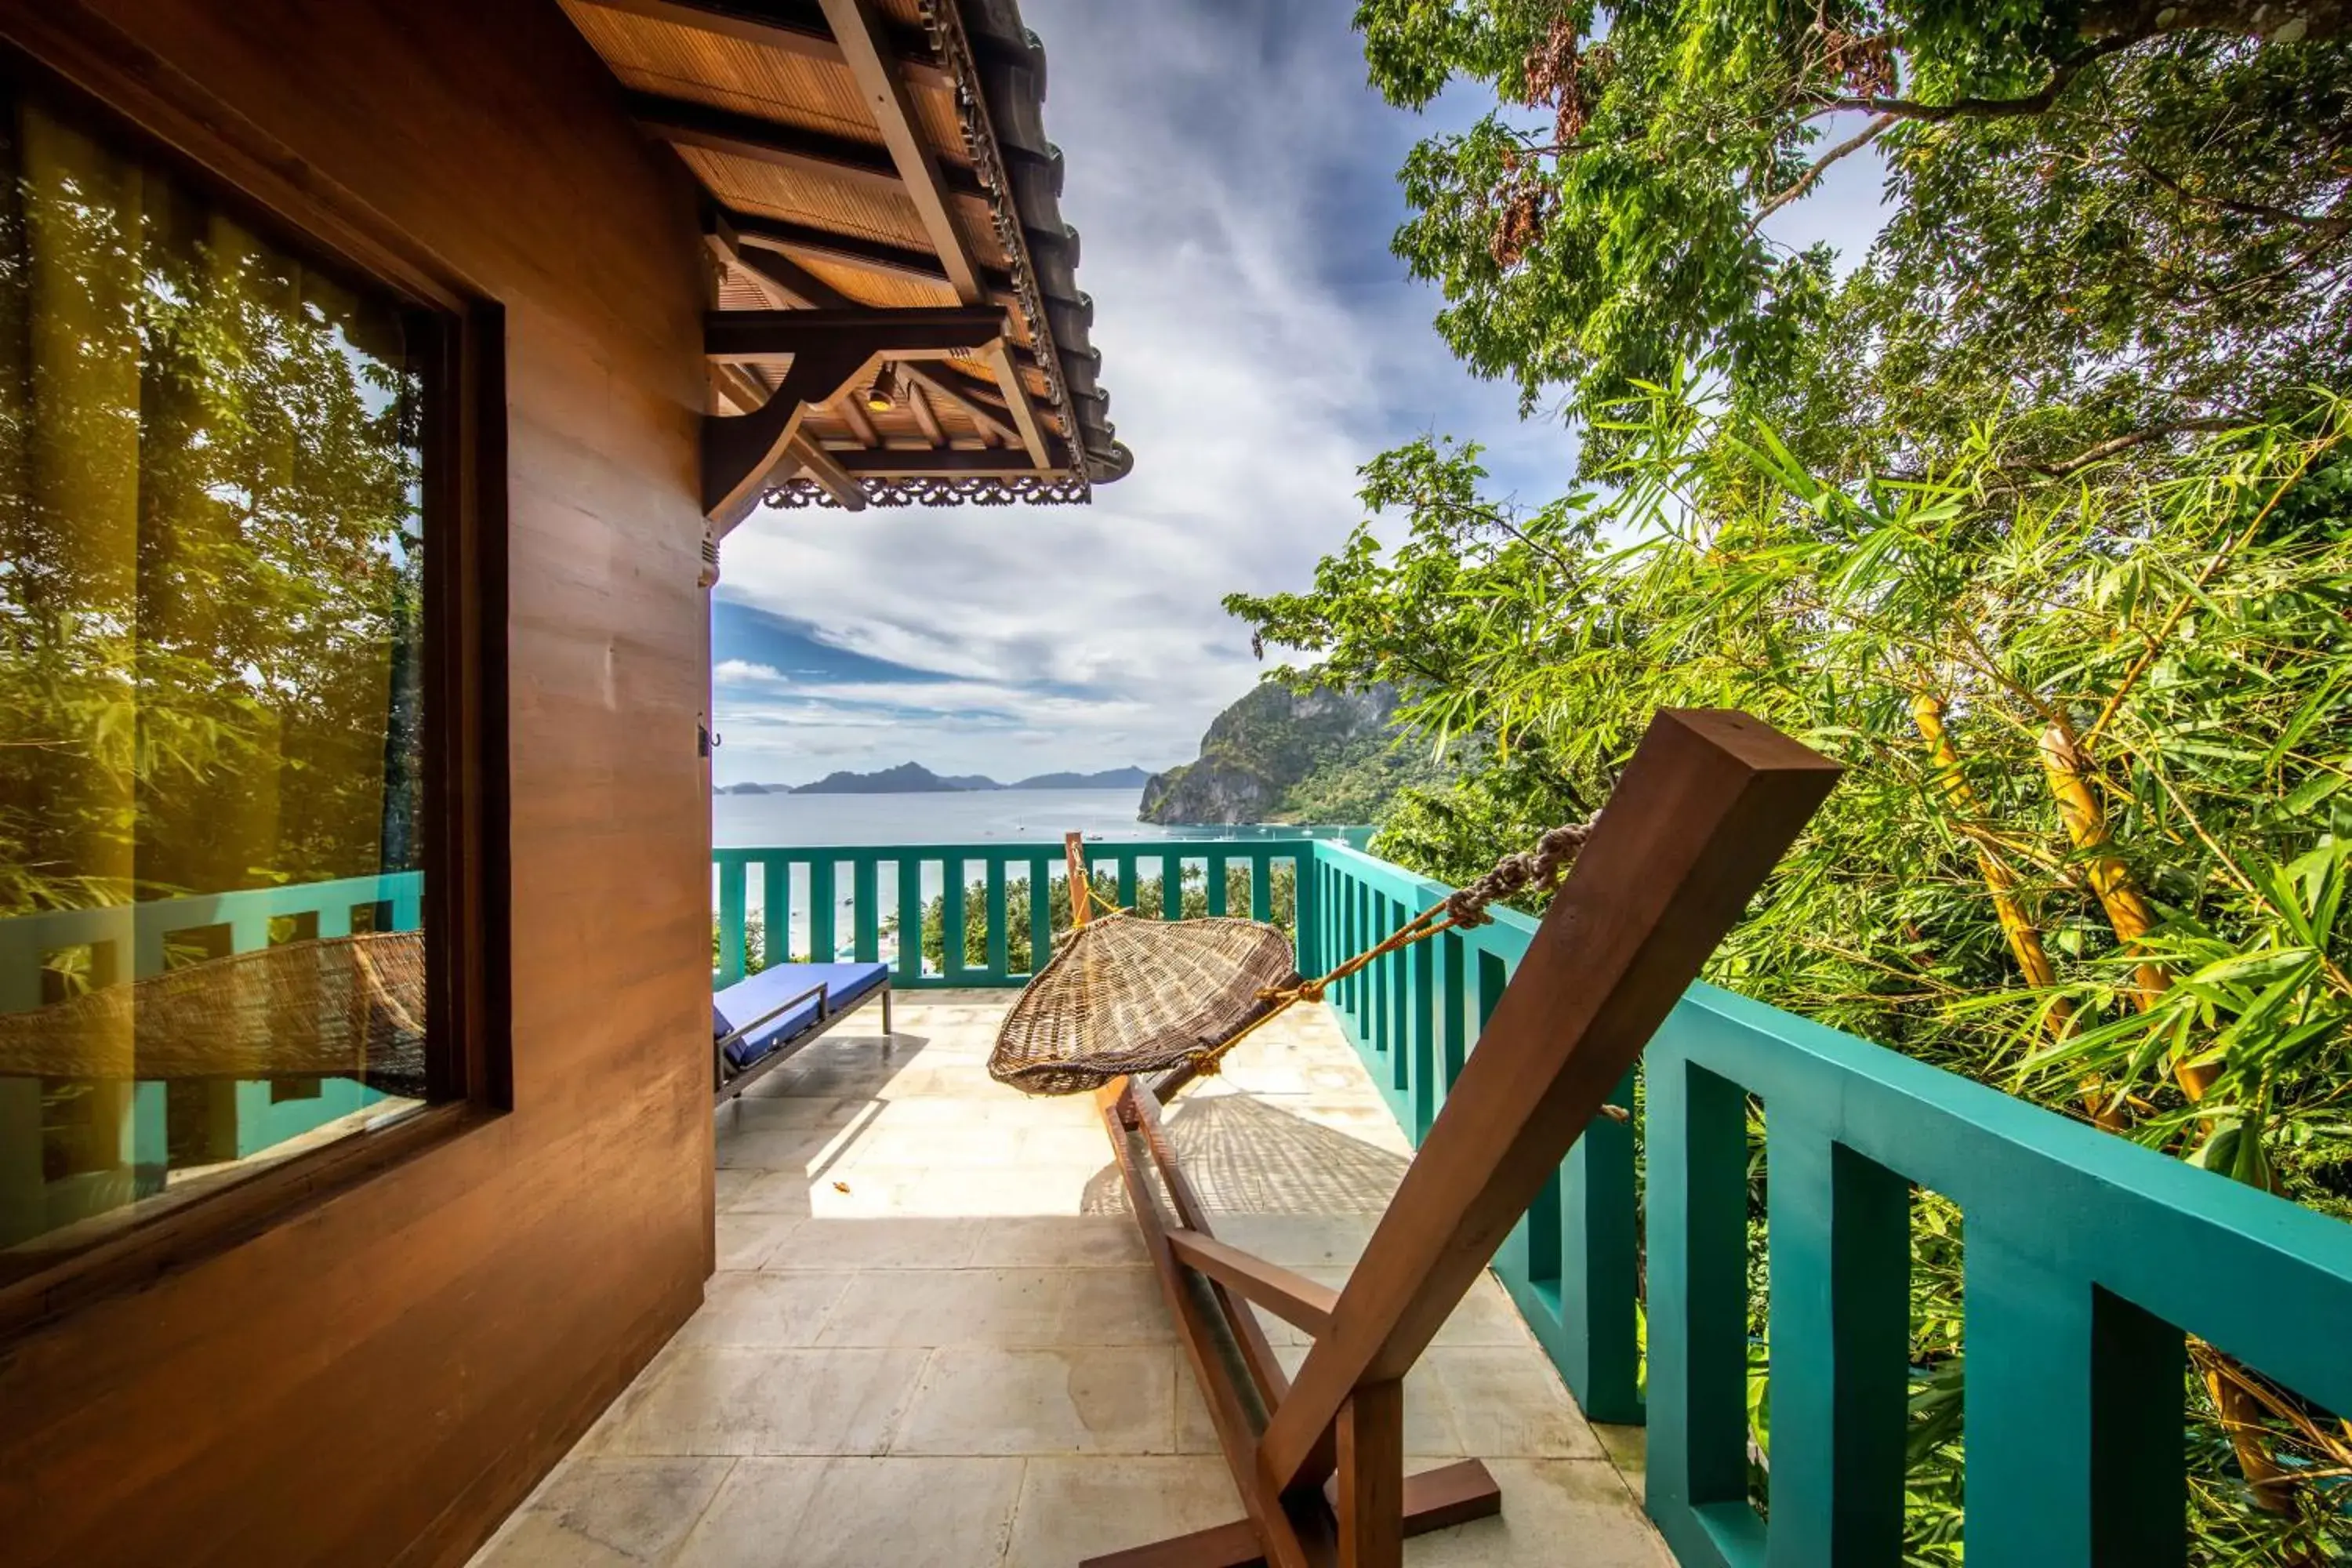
(925,421)
(865,49)
(683,123)
(795,27)
(845,408)
(855,250)
(911,331)
(782,283)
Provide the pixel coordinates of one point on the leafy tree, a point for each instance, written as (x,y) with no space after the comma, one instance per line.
(2093,843)
(2122,222)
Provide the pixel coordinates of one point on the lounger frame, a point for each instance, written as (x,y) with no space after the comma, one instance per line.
(726,1087)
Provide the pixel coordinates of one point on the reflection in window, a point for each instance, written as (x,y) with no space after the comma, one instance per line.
(210,952)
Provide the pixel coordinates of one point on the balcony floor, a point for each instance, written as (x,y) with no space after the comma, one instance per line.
(934,1338)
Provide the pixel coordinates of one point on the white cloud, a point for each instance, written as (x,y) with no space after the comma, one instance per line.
(1234,179)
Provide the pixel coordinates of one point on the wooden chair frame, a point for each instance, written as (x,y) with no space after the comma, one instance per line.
(1707,807)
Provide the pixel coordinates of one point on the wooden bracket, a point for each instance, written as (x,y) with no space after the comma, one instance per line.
(1707,807)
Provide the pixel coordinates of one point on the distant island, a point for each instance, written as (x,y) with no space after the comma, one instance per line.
(913,778)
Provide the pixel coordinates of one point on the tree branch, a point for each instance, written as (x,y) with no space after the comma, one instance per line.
(1804,182)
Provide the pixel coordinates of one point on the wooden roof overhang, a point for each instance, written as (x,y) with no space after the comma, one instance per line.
(884,207)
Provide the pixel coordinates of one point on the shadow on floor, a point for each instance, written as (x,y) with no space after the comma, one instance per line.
(1246,1156)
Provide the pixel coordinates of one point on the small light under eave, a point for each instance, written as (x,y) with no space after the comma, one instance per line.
(883,396)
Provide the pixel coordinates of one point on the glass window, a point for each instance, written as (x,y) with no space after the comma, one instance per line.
(212,538)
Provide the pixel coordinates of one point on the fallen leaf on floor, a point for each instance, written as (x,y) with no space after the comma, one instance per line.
(841,1186)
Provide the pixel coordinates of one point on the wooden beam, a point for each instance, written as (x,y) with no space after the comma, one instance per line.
(683,123)
(864,48)
(1433,1500)
(739,454)
(948,462)
(855,250)
(920,331)
(999,359)
(845,409)
(830,476)
(784,282)
(919,405)
(1704,811)
(795,27)
(1295,1299)
(1371,1504)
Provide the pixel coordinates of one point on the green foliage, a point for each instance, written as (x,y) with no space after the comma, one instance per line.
(210,557)
(2122,220)
(2184,626)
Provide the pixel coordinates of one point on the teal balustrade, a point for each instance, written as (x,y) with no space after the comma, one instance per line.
(820,904)
(2076,1296)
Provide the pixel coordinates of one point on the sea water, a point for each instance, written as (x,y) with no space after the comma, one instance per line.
(960,816)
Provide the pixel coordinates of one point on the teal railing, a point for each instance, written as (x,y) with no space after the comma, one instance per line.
(133,941)
(823,904)
(2088,1258)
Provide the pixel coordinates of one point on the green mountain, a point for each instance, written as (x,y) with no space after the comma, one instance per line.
(907,778)
(1319,756)
(1111,778)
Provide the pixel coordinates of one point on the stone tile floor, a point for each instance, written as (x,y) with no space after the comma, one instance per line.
(934,1338)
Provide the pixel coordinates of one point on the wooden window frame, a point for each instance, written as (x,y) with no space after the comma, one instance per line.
(94,70)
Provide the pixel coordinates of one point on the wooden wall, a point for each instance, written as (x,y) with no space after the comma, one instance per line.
(380,1378)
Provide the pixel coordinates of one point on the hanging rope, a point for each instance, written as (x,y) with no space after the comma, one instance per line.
(1465,909)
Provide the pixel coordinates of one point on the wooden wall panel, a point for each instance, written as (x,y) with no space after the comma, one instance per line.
(380,1378)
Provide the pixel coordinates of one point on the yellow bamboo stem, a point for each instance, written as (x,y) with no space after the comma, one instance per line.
(2017,926)
(2068,770)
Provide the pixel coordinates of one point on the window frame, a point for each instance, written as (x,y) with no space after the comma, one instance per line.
(91,71)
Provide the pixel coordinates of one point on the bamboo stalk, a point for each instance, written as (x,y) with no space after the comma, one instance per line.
(2024,937)
(2068,770)
(2067,767)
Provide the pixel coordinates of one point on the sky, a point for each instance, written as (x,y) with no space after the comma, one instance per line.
(1234,179)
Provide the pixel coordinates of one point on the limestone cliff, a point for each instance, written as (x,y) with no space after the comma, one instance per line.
(1321,756)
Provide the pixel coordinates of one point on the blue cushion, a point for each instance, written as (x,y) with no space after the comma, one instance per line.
(746,1000)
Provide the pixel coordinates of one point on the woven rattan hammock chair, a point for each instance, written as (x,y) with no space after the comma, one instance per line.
(1124,995)
(348,1006)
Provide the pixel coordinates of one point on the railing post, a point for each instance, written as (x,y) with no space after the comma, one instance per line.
(2073,1415)
(1172,886)
(776,909)
(907,878)
(1597,1258)
(994,938)
(1307,903)
(825,942)
(1041,914)
(730,921)
(1840,1247)
(866,908)
(1420,1054)
(952,933)
(1697,1484)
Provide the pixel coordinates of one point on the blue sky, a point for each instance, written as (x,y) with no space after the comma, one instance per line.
(1235,182)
